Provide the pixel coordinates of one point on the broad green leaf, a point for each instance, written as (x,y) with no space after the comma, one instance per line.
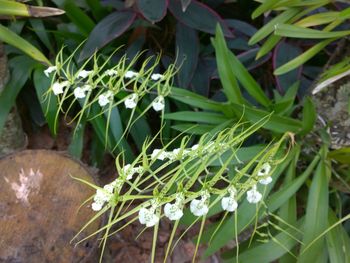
(83,22)
(199,101)
(199,129)
(48,101)
(15,40)
(275,123)
(284,104)
(316,217)
(76,145)
(197,116)
(21,68)
(309,116)
(338,242)
(272,250)
(307,33)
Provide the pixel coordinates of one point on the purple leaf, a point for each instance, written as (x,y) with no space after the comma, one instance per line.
(283,53)
(153,10)
(188,49)
(198,16)
(109,28)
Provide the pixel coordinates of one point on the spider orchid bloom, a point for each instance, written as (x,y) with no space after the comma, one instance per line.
(84,73)
(158,104)
(105,98)
(49,70)
(266,181)
(129,171)
(253,195)
(57,87)
(147,216)
(156,76)
(80,92)
(200,207)
(229,203)
(111,72)
(175,211)
(264,170)
(106,194)
(159,154)
(130,74)
(131,101)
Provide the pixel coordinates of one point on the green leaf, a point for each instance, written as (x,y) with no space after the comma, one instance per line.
(309,116)
(318,19)
(225,69)
(276,247)
(275,123)
(197,116)
(48,101)
(13,8)
(316,218)
(83,22)
(338,242)
(193,129)
(75,148)
(265,6)
(287,101)
(341,155)
(199,101)
(21,68)
(293,31)
(15,40)
(241,73)
(270,26)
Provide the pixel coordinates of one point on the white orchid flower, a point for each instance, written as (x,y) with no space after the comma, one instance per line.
(80,92)
(57,87)
(158,104)
(130,74)
(200,207)
(84,73)
(105,98)
(253,195)
(156,76)
(264,170)
(159,154)
(49,70)
(131,101)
